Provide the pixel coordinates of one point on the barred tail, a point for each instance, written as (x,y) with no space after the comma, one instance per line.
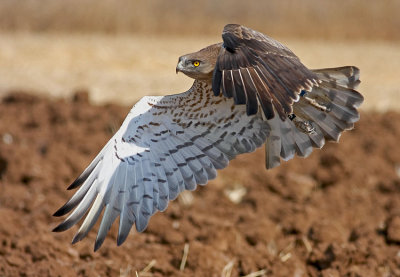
(321,114)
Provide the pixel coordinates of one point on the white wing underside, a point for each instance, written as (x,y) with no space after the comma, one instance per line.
(165,145)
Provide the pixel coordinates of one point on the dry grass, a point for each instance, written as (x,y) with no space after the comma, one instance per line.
(184,257)
(367,19)
(124,68)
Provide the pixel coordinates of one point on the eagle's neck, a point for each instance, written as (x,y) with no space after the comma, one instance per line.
(200,91)
(203,86)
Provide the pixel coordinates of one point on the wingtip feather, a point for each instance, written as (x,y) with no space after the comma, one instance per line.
(121,239)
(62,211)
(76,238)
(61,227)
(97,244)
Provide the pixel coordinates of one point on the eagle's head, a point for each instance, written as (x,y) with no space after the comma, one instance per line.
(199,65)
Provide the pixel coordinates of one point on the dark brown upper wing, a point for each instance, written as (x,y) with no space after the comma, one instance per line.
(254,68)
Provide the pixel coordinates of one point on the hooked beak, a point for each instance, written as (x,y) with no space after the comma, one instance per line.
(181,64)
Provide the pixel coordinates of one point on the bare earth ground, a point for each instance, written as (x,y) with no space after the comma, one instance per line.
(123,68)
(336,213)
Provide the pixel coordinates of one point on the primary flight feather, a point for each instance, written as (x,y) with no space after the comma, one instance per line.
(248,90)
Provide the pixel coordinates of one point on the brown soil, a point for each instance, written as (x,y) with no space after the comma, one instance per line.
(336,213)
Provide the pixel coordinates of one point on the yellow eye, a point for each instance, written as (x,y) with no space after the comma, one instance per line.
(196,63)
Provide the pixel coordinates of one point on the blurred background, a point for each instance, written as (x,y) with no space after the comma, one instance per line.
(336,213)
(121,50)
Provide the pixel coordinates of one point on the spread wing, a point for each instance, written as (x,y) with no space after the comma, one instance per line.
(165,145)
(254,68)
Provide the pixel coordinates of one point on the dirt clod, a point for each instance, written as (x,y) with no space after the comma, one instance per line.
(393,230)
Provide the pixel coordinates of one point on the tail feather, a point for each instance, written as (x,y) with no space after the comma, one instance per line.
(288,141)
(273,143)
(303,144)
(341,95)
(346,76)
(320,114)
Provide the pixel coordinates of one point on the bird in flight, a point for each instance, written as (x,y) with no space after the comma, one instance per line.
(248,90)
